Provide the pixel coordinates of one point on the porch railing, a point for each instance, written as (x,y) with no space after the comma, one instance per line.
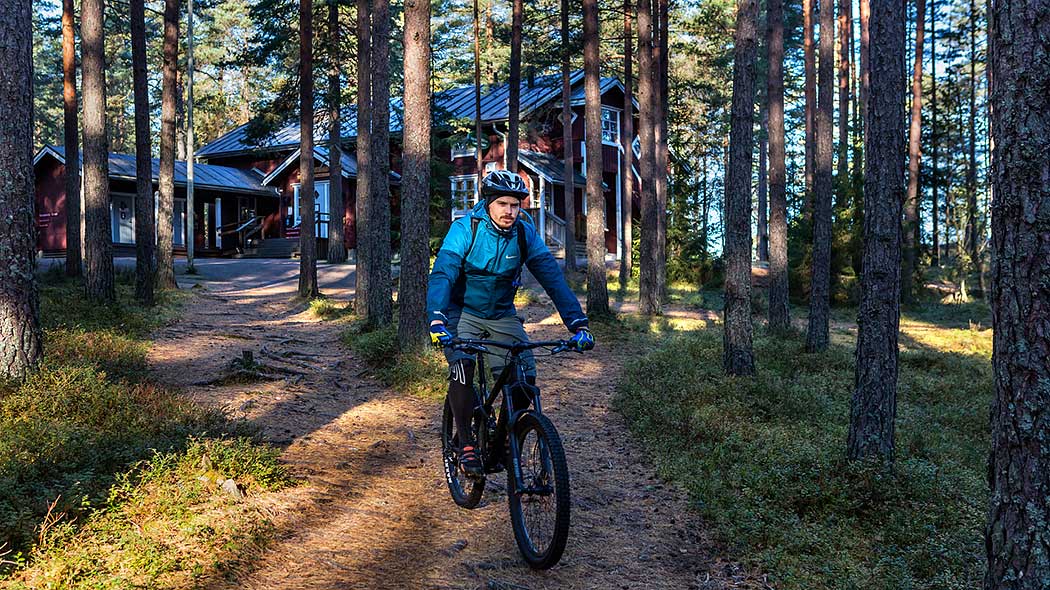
(554,229)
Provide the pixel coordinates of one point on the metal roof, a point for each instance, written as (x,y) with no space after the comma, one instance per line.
(549,167)
(205,176)
(321,154)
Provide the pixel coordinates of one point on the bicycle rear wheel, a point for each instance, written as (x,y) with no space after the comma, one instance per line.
(466,491)
(540,512)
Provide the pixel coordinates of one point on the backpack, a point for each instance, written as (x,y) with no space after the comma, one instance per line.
(523,247)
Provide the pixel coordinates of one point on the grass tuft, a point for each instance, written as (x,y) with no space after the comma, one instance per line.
(422,374)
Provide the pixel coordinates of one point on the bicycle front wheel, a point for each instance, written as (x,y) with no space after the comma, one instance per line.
(539,503)
(466,491)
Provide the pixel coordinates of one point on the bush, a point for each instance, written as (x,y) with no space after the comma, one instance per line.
(420,373)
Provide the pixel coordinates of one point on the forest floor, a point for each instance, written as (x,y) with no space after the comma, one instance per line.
(373,510)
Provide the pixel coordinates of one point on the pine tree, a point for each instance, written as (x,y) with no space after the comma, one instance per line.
(514,86)
(819,293)
(597,289)
(307,225)
(569,193)
(145,244)
(627,240)
(336,202)
(648,282)
(779,318)
(379,308)
(166,179)
(911,203)
(71,142)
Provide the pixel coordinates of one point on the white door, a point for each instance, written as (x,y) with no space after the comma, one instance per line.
(321,210)
(122,214)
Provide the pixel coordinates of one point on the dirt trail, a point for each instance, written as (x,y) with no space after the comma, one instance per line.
(374,511)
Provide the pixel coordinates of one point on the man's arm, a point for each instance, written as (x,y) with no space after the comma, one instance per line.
(544,267)
(447,267)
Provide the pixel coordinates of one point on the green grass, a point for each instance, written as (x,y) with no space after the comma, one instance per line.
(80,427)
(764,458)
(421,374)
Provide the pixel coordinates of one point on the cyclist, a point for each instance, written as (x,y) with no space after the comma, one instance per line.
(471,290)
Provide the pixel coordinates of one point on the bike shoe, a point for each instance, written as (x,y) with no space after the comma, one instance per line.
(469,462)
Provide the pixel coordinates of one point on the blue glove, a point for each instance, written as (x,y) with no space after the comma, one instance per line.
(582,340)
(439,335)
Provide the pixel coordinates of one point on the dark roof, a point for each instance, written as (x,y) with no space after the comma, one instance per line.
(549,167)
(205,176)
(455,103)
(349,162)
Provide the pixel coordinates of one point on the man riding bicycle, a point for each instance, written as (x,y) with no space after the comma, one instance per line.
(472,287)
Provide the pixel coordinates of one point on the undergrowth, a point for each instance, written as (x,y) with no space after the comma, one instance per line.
(764,458)
(89,423)
(417,373)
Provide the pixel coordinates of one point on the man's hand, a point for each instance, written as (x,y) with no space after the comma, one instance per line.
(582,339)
(439,334)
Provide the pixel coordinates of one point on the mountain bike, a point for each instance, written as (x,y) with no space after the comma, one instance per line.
(521,441)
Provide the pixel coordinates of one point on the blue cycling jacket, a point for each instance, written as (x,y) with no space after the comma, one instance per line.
(480,278)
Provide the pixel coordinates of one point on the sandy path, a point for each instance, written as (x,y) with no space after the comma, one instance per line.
(374,511)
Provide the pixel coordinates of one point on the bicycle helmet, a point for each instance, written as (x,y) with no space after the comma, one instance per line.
(503,183)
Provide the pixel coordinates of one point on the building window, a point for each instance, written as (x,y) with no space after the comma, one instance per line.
(610,126)
(462,149)
(464,193)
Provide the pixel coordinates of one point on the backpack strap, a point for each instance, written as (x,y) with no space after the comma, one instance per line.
(474,221)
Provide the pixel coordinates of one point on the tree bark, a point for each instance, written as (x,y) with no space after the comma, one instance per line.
(166,179)
(779,314)
(817,333)
(648,280)
(71,141)
(307,225)
(597,288)
(365,248)
(569,193)
(21,342)
(810,91)
(911,203)
(971,169)
(762,229)
(336,203)
(845,41)
(145,244)
(935,172)
(737,356)
(1019,467)
(874,405)
(412,325)
(98,251)
(865,63)
(627,175)
(380,304)
(662,154)
(514,96)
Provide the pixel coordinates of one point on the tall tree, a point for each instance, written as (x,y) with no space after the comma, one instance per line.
(98,251)
(21,342)
(817,332)
(873,408)
(737,356)
(336,202)
(166,219)
(364,156)
(648,281)
(779,315)
(934,173)
(662,154)
(514,96)
(911,203)
(415,180)
(845,18)
(380,304)
(762,229)
(569,194)
(72,143)
(1019,466)
(145,244)
(597,289)
(810,59)
(972,231)
(627,240)
(307,225)
(865,57)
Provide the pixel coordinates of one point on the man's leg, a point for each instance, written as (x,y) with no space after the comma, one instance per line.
(461,397)
(510,329)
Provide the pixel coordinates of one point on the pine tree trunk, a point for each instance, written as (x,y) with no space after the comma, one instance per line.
(810,59)
(971,169)
(627,176)
(865,63)
(845,41)
(737,356)
(1019,466)
(597,288)
(336,203)
(779,314)
(662,154)
(98,251)
(21,341)
(307,225)
(569,194)
(817,333)
(874,404)
(911,203)
(365,247)
(415,181)
(514,97)
(935,172)
(648,281)
(166,179)
(380,304)
(145,246)
(71,142)
(762,229)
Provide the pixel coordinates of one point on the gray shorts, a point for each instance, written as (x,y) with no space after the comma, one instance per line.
(508,329)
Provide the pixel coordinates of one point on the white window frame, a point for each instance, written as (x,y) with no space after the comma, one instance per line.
(616,133)
(471,201)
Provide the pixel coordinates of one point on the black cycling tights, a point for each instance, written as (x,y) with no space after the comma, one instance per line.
(461,393)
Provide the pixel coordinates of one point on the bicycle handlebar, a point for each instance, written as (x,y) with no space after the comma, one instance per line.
(513,347)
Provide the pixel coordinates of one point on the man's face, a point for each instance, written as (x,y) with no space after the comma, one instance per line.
(504,211)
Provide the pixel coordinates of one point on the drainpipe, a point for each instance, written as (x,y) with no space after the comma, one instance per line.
(502,135)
